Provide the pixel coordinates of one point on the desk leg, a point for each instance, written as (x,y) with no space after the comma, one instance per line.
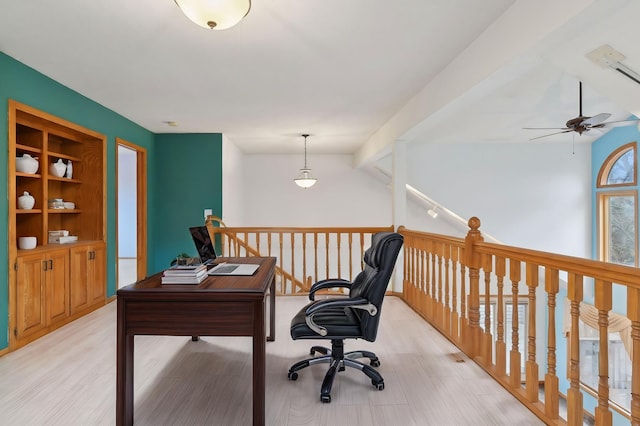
(272,310)
(259,364)
(124,372)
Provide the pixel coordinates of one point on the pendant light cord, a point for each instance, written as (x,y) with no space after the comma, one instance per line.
(305,150)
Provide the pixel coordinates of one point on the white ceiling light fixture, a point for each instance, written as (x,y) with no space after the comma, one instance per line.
(215,14)
(432,212)
(305,180)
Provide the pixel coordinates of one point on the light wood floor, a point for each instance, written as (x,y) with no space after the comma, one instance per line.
(68,378)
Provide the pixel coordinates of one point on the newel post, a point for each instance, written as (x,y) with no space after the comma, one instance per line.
(473,261)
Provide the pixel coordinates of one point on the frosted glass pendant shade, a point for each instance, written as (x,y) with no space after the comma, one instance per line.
(305,180)
(215,14)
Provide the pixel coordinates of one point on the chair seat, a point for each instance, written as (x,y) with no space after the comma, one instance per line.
(341,323)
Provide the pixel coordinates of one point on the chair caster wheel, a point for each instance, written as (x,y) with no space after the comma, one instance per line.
(292,376)
(375,362)
(325,398)
(379,386)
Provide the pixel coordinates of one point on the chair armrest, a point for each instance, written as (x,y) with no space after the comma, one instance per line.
(328,304)
(328,283)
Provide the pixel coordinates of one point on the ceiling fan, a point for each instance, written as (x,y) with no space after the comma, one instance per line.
(582,124)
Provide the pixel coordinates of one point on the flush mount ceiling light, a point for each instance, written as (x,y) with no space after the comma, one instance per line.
(305,180)
(215,14)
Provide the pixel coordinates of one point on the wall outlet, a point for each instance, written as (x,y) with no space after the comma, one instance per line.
(207,212)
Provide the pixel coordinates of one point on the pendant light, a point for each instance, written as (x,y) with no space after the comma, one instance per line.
(305,180)
(215,14)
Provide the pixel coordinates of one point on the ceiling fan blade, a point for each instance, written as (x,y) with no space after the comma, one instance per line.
(546,128)
(596,119)
(551,134)
(620,123)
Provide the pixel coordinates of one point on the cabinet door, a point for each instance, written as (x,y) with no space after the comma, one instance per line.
(78,285)
(57,285)
(30,295)
(97,274)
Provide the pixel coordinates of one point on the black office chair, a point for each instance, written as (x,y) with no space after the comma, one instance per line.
(355,317)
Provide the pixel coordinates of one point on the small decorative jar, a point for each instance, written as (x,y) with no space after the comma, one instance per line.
(26,201)
(69,173)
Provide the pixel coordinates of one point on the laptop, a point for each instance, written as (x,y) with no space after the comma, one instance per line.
(202,241)
(207,253)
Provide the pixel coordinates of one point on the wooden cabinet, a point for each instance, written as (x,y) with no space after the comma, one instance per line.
(41,298)
(87,271)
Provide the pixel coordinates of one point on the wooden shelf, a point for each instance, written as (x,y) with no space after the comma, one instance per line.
(63,179)
(63,211)
(29,175)
(28,148)
(64,156)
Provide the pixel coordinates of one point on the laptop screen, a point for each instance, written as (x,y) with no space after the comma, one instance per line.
(203,243)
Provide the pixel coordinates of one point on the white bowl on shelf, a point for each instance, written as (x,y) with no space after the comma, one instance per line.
(69,205)
(27,164)
(27,243)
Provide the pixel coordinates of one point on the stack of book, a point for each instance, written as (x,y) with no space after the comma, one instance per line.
(184,274)
(61,237)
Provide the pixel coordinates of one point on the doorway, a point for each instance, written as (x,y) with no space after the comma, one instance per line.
(131,218)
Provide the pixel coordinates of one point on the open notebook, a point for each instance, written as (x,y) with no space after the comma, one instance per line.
(207,253)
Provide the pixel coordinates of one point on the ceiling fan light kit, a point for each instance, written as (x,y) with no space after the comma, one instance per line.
(215,14)
(582,124)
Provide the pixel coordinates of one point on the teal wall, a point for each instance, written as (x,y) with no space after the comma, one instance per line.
(175,165)
(188,179)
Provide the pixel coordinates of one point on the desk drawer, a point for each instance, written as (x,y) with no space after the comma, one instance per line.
(189,318)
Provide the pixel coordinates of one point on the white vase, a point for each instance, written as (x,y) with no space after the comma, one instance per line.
(26,201)
(69,173)
(58,168)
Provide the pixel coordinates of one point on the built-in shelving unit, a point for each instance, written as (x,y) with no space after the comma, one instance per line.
(53,284)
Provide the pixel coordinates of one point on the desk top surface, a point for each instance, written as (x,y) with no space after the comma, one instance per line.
(256,283)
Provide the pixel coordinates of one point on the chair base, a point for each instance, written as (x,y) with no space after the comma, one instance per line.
(338,361)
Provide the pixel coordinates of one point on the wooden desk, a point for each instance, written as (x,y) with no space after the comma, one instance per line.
(218,306)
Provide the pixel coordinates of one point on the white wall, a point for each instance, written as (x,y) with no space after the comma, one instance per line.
(343,196)
(532,195)
(232,183)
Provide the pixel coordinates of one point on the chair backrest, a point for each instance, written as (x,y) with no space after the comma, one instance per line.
(372,282)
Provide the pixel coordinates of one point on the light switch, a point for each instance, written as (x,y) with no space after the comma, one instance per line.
(207,212)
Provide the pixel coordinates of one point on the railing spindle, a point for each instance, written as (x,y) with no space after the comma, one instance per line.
(531,374)
(603,302)
(551,380)
(574,395)
(515,357)
(501,345)
(487,339)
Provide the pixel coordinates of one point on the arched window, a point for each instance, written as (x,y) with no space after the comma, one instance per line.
(619,169)
(617,208)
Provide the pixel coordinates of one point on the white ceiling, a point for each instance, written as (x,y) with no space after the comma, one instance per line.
(355,74)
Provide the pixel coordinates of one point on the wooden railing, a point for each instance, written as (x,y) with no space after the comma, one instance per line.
(449,280)
(305,255)
(453,282)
